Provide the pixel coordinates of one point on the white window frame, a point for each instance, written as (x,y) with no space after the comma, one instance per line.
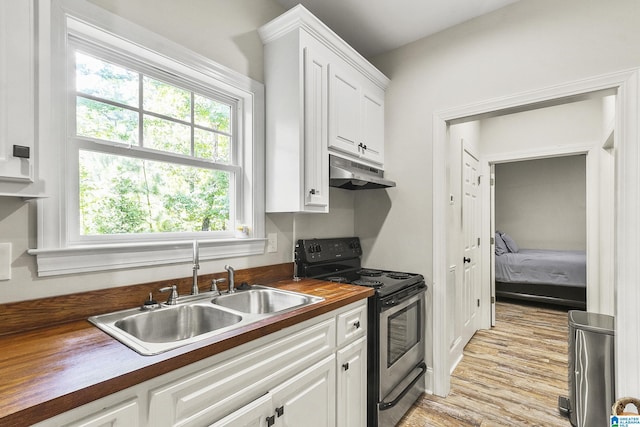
(59,250)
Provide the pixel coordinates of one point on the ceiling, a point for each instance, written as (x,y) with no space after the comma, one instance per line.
(377,26)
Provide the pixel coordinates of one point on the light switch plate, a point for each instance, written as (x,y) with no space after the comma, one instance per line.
(5,261)
(272,242)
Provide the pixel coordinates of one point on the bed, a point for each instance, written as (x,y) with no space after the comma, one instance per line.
(550,276)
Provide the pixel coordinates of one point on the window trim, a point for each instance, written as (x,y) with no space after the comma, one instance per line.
(56,253)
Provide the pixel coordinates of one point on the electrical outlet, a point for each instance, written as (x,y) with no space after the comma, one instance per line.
(272,242)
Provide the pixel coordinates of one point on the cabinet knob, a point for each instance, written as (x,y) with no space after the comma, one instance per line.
(345,366)
(312,191)
(271,420)
(280,411)
(356,324)
(465,259)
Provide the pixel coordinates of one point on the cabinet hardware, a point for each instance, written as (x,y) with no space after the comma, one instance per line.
(465,259)
(280,411)
(345,366)
(356,324)
(271,420)
(312,191)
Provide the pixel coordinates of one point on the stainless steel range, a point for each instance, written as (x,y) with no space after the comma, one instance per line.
(395,340)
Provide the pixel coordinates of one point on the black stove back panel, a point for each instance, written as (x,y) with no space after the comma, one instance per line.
(312,251)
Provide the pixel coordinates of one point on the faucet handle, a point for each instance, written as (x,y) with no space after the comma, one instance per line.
(214,284)
(173,296)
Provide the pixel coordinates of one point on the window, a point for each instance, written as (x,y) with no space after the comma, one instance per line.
(154,156)
(148,147)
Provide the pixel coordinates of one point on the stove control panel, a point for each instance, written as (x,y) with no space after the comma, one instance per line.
(319,250)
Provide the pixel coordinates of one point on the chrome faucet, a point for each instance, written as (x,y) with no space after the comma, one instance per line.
(231,272)
(196,266)
(173,294)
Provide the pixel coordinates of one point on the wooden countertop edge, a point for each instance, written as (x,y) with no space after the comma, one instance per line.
(37,405)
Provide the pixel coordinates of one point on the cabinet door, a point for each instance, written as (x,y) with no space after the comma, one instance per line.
(352,385)
(308,399)
(17,98)
(316,159)
(344,107)
(125,414)
(255,414)
(373,126)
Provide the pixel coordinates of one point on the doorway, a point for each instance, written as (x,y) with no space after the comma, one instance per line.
(625,84)
(540,207)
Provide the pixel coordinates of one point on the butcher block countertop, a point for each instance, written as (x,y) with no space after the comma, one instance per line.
(49,370)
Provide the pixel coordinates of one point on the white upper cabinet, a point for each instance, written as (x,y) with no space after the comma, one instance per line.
(321,96)
(356,109)
(17,95)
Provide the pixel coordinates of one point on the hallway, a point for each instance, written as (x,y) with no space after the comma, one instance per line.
(510,375)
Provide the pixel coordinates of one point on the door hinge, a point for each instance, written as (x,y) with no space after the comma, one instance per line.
(493,300)
(492,240)
(492,181)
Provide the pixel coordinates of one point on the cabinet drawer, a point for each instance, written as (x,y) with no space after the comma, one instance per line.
(198,399)
(352,324)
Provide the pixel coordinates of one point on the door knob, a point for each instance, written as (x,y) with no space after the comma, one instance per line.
(465,259)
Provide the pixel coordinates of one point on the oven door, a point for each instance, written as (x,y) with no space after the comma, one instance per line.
(401,340)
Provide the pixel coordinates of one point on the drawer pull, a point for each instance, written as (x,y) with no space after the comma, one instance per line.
(280,411)
(271,420)
(356,324)
(345,366)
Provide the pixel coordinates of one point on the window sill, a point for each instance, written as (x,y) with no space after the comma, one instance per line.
(85,259)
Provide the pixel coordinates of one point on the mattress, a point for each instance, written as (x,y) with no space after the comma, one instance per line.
(541,266)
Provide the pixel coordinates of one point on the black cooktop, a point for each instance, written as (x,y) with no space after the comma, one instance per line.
(338,260)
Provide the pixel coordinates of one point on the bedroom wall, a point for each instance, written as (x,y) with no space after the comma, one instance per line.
(542,203)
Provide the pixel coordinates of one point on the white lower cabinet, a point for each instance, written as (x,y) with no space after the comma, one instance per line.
(126,414)
(256,414)
(294,377)
(307,400)
(351,384)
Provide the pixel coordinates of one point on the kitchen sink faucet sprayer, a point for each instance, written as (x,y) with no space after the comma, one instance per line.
(231,272)
(196,266)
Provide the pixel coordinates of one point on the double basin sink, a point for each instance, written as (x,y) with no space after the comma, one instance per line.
(196,318)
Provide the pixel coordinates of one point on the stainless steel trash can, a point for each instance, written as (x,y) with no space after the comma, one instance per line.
(591,368)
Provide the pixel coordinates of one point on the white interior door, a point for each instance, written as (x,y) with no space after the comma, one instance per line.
(492,226)
(469,299)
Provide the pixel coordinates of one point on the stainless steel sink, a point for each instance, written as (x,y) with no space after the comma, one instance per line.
(196,318)
(261,300)
(176,324)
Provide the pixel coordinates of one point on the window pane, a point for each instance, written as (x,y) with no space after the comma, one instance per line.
(212,146)
(107,81)
(212,114)
(104,121)
(168,136)
(162,98)
(126,195)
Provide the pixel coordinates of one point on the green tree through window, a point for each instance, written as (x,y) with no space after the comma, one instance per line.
(155,153)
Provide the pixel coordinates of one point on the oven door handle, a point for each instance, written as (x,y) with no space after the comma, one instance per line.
(386,405)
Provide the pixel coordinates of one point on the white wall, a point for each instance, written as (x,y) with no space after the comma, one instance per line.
(226,32)
(542,203)
(525,46)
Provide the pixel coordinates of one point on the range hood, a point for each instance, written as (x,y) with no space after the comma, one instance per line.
(351,175)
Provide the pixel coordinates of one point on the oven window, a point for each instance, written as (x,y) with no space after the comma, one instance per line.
(403,332)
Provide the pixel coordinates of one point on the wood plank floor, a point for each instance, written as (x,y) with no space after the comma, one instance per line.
(510,375)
